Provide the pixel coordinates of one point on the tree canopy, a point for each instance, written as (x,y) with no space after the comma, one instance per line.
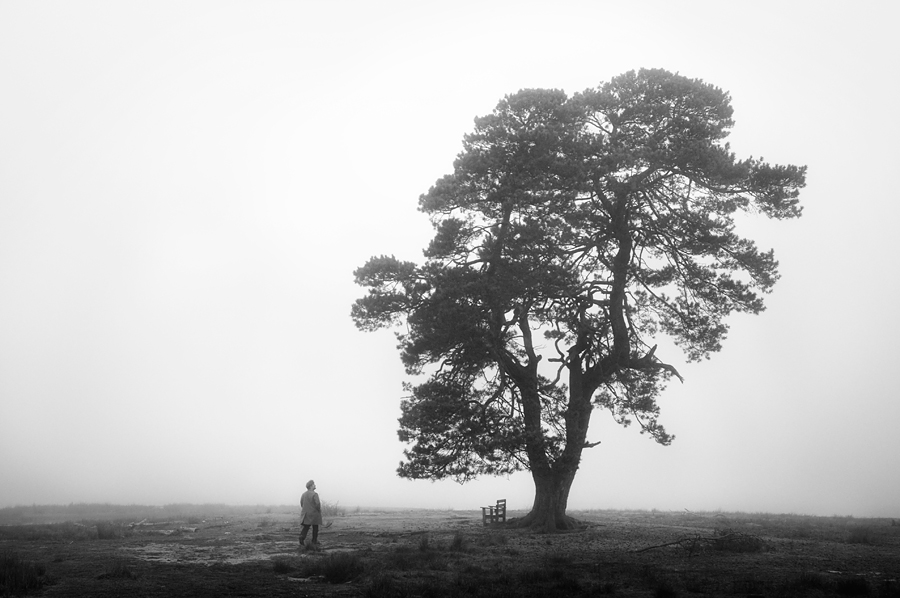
(572,233)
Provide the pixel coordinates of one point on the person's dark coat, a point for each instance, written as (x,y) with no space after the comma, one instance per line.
(310,508)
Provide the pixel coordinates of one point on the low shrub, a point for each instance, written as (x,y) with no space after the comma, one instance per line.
(18,576)
(459,543)
(107,530)
(118,569)
(861,535)
(342,567)
(542,576)
(729,540)
(335,568)
(333,509)
(809,581)
(853,586)
(386,586)
(550,580)
(665,590)
(69,532)
(282,564)
(406,558)
(605,588)
(561,560)
(494,539)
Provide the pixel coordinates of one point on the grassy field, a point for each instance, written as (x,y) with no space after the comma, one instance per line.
(220,550)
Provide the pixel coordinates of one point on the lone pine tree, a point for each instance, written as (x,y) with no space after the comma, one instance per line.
(571,234)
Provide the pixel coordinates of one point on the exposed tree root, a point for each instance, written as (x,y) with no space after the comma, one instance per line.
(545,524)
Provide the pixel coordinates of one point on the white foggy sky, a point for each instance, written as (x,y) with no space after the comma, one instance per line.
(187,187)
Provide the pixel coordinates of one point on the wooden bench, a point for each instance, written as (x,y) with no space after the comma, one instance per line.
(494,513)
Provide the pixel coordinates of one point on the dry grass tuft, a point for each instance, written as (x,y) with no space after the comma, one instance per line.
(108,530)
(118,569)
(459,543)
(282,564)
(333,509)
(18,576)
(861,534)
(335,568)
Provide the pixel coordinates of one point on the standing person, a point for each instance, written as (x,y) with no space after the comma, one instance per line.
(310,513)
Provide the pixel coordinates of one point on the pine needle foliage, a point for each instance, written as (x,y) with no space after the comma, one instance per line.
(572,234)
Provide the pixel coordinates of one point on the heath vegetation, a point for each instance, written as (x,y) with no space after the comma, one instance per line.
(254,551)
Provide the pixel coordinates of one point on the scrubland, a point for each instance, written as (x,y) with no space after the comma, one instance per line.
(220,550)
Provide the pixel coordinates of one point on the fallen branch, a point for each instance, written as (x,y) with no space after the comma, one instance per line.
(675,543)
(726,540)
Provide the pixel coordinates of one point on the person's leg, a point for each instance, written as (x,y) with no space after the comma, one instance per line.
(304,531)
(315,534)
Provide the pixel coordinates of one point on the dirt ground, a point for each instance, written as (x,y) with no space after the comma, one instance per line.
(451,553)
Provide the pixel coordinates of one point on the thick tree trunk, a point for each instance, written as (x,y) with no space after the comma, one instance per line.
(551,496)
(553,477)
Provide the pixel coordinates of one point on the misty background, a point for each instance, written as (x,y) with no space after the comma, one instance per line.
(187,187)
